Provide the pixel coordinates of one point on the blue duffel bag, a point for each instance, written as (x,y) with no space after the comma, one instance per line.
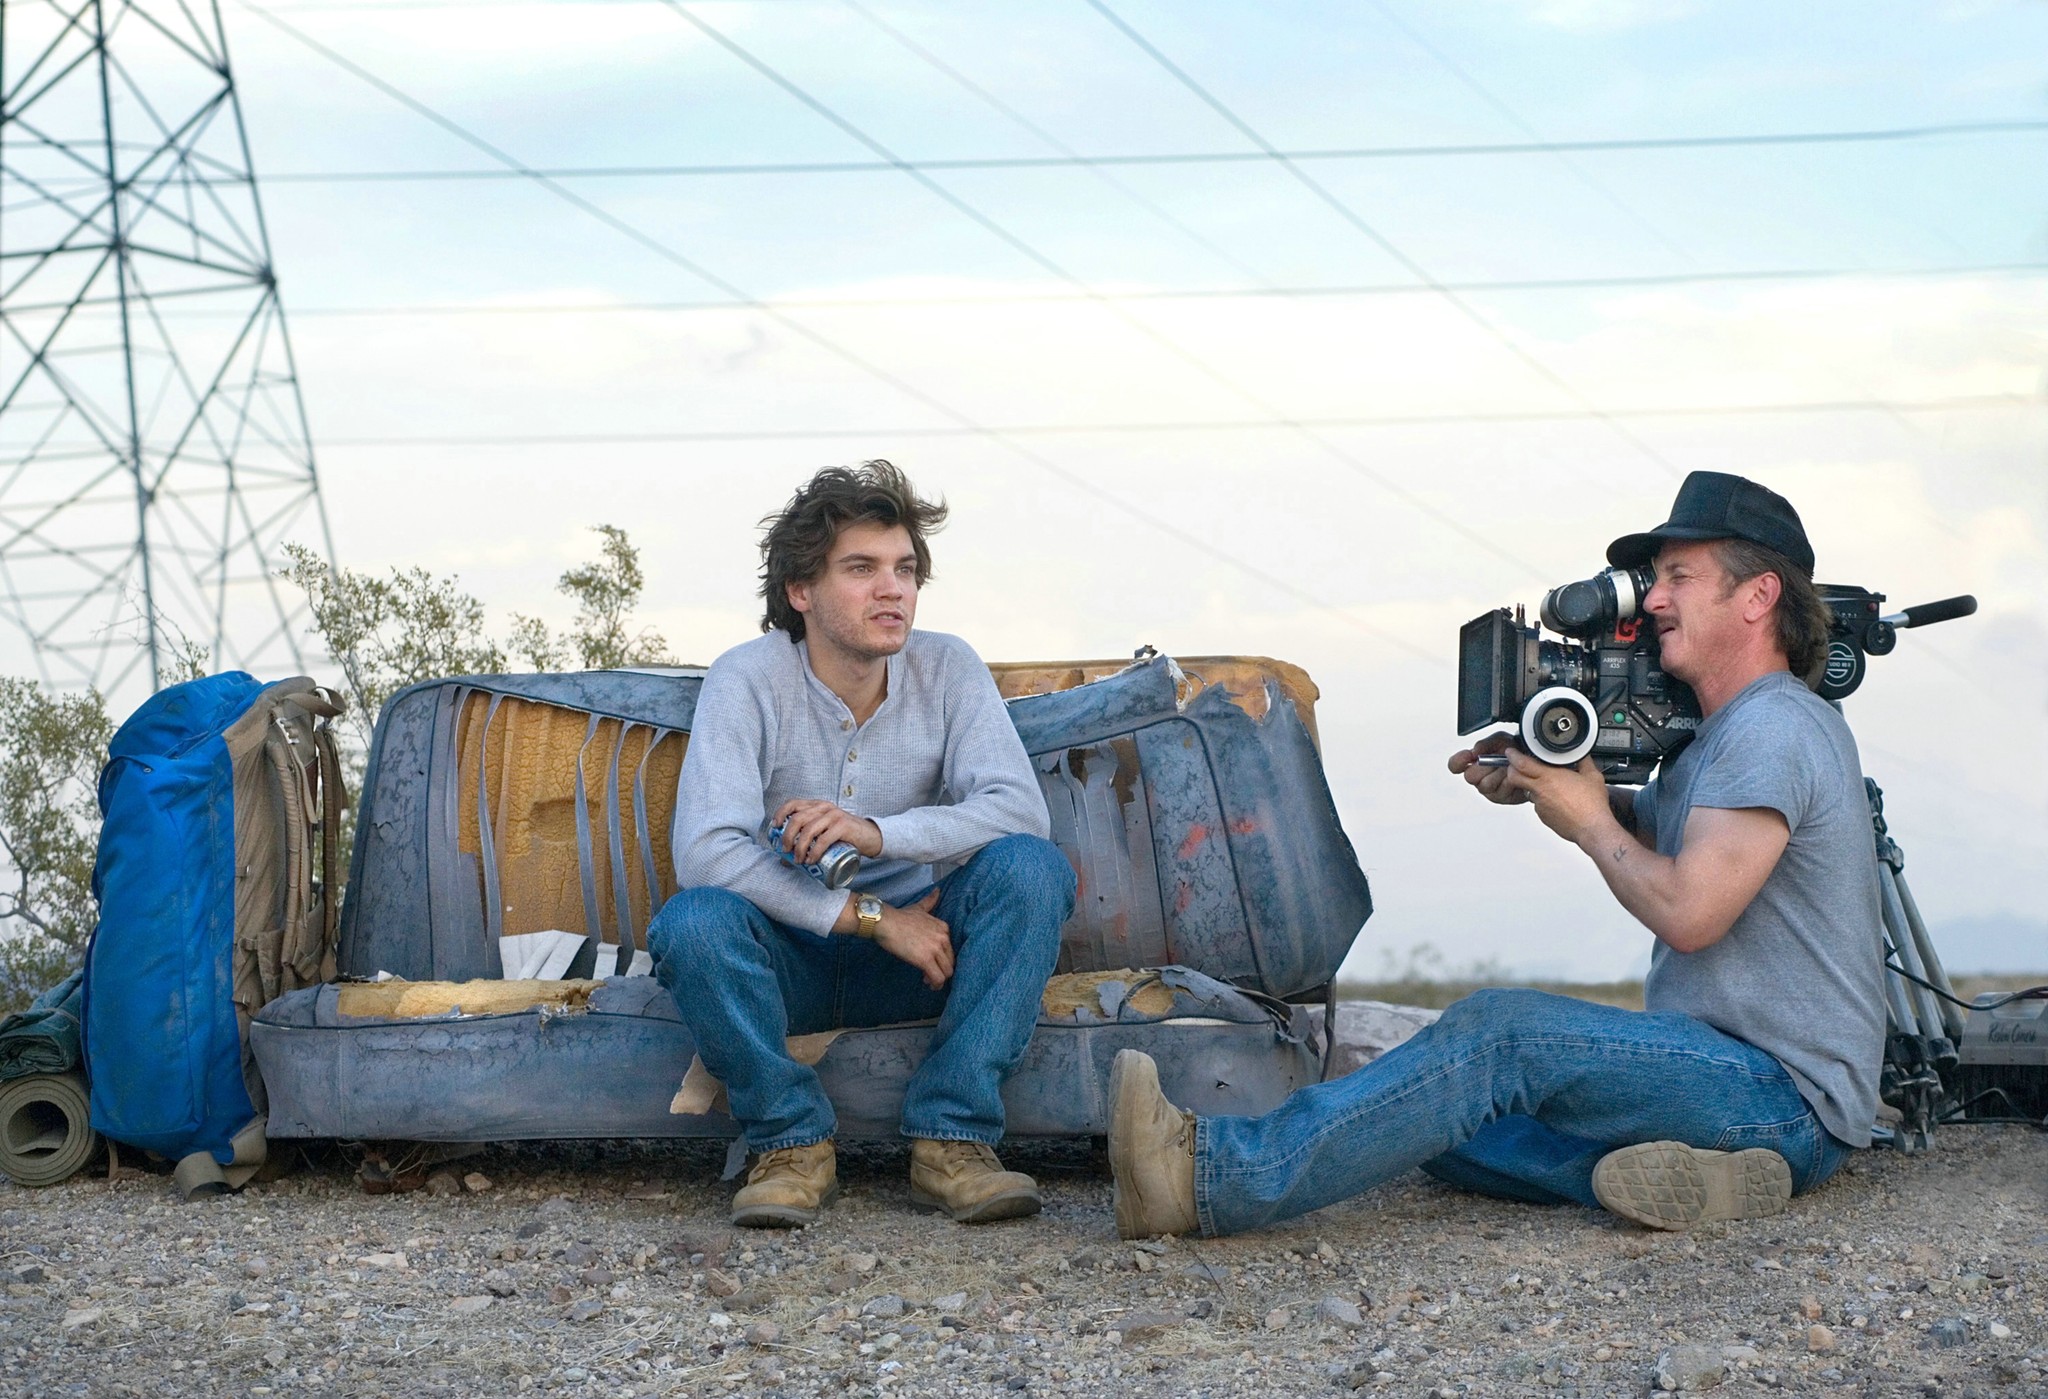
(220,802)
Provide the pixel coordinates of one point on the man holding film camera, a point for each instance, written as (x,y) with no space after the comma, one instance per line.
(1754,1068)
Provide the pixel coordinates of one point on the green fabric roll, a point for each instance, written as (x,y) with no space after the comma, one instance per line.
(44,1039)
(45,1134)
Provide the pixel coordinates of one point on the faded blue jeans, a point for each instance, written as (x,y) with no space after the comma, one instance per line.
(744,983)
(1511,1093)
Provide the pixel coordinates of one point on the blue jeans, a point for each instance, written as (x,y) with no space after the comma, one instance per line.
(744,983)
(1510,1093)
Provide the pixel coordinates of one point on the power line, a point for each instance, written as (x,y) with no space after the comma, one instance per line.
(964,423)
(1623,282)
(1876,136)
(1515,119)
(1419,503)
(1955,404)
(1375,237)
(1102,173)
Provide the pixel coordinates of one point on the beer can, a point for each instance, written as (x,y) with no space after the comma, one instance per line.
(835,869)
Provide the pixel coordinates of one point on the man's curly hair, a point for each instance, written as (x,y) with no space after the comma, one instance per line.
(796,541)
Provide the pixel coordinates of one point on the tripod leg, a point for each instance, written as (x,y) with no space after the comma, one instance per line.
(1951,1014)
(1927,1011)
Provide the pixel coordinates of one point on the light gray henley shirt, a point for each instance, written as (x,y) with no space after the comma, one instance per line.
(938,767)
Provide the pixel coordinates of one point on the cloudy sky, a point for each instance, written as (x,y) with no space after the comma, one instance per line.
(1510,286)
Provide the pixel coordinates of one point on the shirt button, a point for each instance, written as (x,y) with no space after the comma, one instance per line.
(845,724)
(849,789)
(851,755)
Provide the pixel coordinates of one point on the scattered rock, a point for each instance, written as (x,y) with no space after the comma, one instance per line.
(863,1262)
(394,1261)
(83,1316)
(763,1333)
(750,1299)
(1338,1311)
(579,1255)
(476,1182)
(469,1306)
(30,1275)
(532,1229)
(951,1302)
(1358,1373)
(886,1306)
(560,1295)
(596,1277)
(499,1283)
(1279,1319)
(556,1204)
(844,1280)
(1950,1333)
(708,1248)
(1819,1338)
(1689,1368)
(1142,1326)
(1809,1308)
(720,1283)
(1999,1330)
(585,1310)
(255,1268)
(442,1184)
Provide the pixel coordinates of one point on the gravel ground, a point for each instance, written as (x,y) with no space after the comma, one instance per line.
(607,1269)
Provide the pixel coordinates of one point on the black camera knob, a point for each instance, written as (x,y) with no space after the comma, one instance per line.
(1880,637)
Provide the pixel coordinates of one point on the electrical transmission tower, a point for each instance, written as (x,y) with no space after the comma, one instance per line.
(154,452)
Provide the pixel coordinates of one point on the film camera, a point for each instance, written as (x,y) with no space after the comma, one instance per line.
(1602,692)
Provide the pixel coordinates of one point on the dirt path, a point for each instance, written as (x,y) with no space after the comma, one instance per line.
(607,1270)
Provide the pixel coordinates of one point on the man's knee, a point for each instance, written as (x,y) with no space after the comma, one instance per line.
(1026,866)
(696,919)
(1498,1012)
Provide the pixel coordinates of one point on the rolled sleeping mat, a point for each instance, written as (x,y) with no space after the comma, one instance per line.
(46,1130)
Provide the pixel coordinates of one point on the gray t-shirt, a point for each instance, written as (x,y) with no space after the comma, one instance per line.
(1800,973)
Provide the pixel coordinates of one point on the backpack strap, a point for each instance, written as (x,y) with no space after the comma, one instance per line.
(333,879)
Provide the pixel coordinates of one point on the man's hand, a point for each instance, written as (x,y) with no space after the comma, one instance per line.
(1571,801)
(1492,782)
(920,939)
(810,827)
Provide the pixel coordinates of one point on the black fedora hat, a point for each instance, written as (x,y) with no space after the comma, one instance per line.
(1716,505)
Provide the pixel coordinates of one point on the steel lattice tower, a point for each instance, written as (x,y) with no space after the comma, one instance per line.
(154,452)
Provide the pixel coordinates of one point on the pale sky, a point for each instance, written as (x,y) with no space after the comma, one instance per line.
(1231,414)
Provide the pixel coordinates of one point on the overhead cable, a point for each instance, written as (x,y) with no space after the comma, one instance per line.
(1421,504)
(1380,240)
(1875,136)
(1956,404)
(966,424)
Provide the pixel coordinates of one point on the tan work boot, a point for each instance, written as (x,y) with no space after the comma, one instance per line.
(1151,1152)
(1669,1185)
(965,1180)
(788,1187)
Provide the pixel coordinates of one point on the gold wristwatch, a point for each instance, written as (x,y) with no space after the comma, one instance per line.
(867,916)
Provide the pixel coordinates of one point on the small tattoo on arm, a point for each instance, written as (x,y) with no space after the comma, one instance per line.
(1620,853)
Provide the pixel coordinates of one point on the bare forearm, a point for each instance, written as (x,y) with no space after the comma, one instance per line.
(1622,802)
(1650,886)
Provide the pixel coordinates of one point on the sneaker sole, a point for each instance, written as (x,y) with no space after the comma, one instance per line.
(1669,1185)
(782,1216)
(1011,1204)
